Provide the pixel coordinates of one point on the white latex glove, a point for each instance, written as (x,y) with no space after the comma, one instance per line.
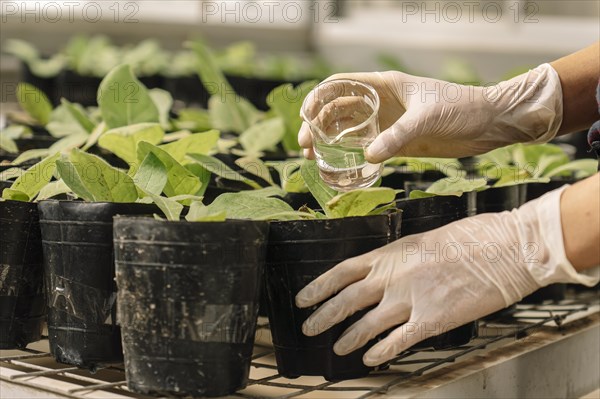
(429,283)
(432,118)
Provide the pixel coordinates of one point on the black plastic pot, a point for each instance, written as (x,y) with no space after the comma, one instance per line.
(401,176)
(536,190)
(188,89)
(499,199)
(188,302)
(22,305)
(77,238)
(84,89)
(256,90)
(298,252)
(421,215)
(46,85)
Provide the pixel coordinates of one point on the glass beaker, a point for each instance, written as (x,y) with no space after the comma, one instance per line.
(342,117)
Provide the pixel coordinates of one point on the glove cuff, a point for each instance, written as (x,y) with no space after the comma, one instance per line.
(552,264)
(533,105)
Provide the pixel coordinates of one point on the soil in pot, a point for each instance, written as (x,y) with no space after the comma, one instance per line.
(424,214)
(298,252)
(22,305)
(188,303)
(77,239)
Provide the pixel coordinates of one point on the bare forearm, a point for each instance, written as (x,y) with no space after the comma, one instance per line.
(580,216)
(579,73)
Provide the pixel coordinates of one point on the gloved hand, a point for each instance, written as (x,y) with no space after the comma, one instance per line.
(422,117)
(429,283)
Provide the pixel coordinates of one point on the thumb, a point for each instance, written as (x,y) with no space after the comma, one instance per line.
(394,138)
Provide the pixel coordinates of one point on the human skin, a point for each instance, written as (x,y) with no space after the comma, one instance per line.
(580,217)
(579,73)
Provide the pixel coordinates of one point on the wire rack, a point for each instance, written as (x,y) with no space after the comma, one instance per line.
(35,369)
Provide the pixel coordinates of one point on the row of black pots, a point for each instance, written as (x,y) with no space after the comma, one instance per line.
(188,89)
(81,291)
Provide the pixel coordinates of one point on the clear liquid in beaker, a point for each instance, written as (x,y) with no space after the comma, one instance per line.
(342,165)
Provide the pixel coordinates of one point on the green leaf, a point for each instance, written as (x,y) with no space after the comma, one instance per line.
(581,167)
(217,167)
(93,179)
(53,189)
(197,143)
(200,213)
(70,175)
(286,102)
(11,173)
(538,159)
(8,144)
(294,183)
(228,112)
(272,191)
(450,186)
(247,206)
(21,49)
(32,181)
(64,123)
(321,191)
(94,136)
(451,167)
(262,136)
(68,142)
(208,70)
(171,209)
(232,114)
(256,167)
(498,158)
(31,154)
(360,202)
(15,131)
(124,100)
(34,102)
(151,176)
(179,179)
(48,68)
(163,101)
(123,141)
(290,175)
(15,195)
(193,119)
(79,114)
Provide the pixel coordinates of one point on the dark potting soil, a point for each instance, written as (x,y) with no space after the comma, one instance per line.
(298,252)
(77,239)
(188,302)
(22,305)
